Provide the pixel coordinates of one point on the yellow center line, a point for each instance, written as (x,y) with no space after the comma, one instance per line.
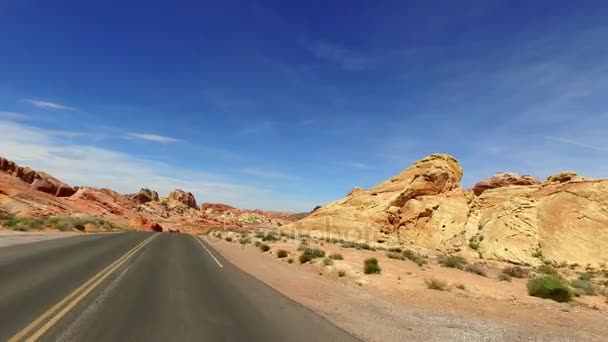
(84,288)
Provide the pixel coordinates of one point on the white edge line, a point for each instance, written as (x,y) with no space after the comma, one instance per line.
(208,251)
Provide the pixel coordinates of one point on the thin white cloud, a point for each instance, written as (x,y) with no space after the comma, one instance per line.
(81,164)
(268,174)
(264,127)
(47,104)
(577,143)
(13,116)
(152,137)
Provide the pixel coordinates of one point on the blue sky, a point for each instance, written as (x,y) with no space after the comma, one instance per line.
(277,105)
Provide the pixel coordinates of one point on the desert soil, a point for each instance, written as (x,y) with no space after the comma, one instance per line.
(396,305)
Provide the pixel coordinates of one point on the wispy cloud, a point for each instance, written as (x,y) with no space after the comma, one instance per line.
(152,137)
(47,104)
(13,116)
(264,127)
(80,164)
(342,56)
(355,165)
(268,174)
(577,143)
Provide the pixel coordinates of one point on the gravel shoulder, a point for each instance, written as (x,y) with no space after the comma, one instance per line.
(397,308)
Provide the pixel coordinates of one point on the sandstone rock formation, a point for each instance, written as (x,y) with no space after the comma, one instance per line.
(178,198)
(28,192)
(507,217)
(504,179)
(39,180)
(145,195)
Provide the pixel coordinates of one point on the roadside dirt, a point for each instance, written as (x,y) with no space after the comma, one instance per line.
(396,305)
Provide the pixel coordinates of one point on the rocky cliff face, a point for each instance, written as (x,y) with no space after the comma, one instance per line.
(507,217)
(145,195)
(39,180)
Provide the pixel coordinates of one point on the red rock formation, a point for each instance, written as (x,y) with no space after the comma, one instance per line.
(180,196)
(39,180)
(503,179)
(144,195)
(216,207)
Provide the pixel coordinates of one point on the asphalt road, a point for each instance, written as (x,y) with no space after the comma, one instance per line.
(142,287)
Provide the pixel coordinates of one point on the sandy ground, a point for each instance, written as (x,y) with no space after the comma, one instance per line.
(11,237)
(397,305)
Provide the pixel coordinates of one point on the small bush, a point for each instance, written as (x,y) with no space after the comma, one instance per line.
(349,244)
(229,239)
(264,247)
(311,254)
(435,284)
(259,235)
(281,253)
(395,249)
(341,273)
(370,266)
(245,241)
(476,269)
(461,287)
(290,260)
(504,277)
(336,256)
(270,237)
(546,269)
(418,259)
(452,261)
(303,246)
(365,246)
(585,276)
(515,271)
(257,243)
(328,262)
(395,255)
(549,286)
(583,287)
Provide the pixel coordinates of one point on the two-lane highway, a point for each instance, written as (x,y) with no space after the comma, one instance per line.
(142,287)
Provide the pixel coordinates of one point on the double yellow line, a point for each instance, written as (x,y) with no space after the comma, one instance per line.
(54,314)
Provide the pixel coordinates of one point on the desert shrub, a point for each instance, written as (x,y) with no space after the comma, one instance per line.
(452,261)
(257,243)
(395,255)
(281,253)
(435,284)
(585,276)
(328,262)
(504,277)
(341,273)
(549,286)
(476,269)
(349,244)
(461,286)
(395,249)
(270,237)
(310,254)
(546,269)
(259,235)
(418,259)
(264,247)
(365,246)
(370,266)
(515,271)
(336,256)
(290,260)
(245,241)
(303,246)
(583,287)
(229,239)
